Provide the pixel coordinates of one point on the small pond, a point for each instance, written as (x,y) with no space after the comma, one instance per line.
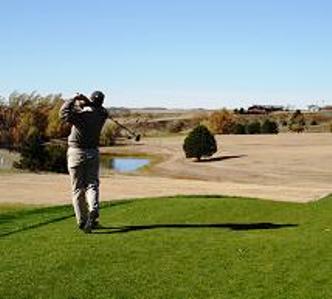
(121,164)
(7,159)
(108,163)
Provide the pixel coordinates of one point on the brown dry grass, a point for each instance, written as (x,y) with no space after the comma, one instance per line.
(290,167)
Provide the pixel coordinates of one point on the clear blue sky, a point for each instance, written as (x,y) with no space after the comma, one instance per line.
(211,53)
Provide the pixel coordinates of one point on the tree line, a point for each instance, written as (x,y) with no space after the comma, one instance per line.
(226,122)
(29,124)
(24,116)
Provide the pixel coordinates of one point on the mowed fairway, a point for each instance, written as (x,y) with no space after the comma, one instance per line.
(181,247)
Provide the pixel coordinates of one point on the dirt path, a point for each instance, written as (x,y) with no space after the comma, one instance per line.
(285,167)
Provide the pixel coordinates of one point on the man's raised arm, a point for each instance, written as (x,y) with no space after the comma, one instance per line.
(67,111)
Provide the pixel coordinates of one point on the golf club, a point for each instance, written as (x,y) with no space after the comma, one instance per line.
(132,133)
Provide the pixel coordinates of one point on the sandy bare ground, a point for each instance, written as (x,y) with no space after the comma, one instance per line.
(284,167)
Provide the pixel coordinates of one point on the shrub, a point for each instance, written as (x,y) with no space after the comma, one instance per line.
(222,122)
(313,123)
(36,156)
(175,126)
(254,128)
(269,127)
(239,129)
(25,114)
(109,134)
(33,154)
(239,111)
(297,122)
(56,158)
(199,143)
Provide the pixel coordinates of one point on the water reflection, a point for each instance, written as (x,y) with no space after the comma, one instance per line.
(7,159)
(126,164)
(108,163)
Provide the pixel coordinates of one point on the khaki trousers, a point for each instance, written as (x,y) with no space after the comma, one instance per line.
(83,167)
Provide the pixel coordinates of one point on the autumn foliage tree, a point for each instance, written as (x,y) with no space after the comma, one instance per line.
(55,127)
(222,122)
(8,121)
(25,115)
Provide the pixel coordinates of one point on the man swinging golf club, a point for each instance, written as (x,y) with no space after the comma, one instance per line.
(87,116)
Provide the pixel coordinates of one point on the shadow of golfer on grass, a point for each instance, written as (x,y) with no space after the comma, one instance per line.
(230,226)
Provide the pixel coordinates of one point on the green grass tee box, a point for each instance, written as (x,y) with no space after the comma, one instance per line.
(179,247)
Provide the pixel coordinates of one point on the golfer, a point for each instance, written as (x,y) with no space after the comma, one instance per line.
(87,116)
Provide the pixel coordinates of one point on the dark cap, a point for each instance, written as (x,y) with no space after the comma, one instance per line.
(97,98)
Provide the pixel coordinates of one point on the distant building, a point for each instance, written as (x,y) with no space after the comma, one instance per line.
(328,108)
(264,109)
(314,108)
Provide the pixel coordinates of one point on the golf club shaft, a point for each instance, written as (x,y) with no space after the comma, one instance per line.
(122,126)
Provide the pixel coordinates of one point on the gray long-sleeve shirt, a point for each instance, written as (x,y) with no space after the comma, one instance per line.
(87,124)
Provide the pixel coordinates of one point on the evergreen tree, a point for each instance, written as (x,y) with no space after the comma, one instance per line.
(33,154)
(239,129)
(297,122)
(269,127)
(36,156)
(56,158)
(199,143)
(254,128)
